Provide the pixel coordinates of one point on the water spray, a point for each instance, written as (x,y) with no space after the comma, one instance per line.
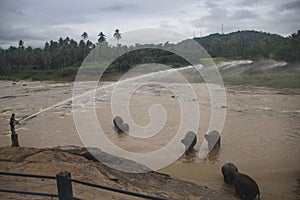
(198,67)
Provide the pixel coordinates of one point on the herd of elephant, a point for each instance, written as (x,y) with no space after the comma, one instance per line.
(245,187)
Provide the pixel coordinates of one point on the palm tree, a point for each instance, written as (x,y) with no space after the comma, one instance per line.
(21,44)
(60,41)
(102,37)
(84,36)
(67,41)
(117,35)
(89,44)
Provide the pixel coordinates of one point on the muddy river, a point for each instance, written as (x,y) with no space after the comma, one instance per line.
(261,132)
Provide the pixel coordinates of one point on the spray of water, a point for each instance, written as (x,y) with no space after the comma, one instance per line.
(198,67)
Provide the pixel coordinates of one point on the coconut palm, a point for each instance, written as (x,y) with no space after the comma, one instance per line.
(102,37)
(21,44)
(117,35)
(84,36)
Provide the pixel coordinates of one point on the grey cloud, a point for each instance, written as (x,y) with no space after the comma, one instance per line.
(37,21)
(33,36)
(211,6)
(17,34)
(257,14)
(164,24)
(18,12)
(216,12)
(284,18)
(118,8)
(294,5)
(244,14)
(212,22)
(243,3)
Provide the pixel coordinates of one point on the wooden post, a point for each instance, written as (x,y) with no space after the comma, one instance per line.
(14,140)
(64,185)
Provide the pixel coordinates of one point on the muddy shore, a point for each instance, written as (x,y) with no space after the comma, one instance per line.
(50,161)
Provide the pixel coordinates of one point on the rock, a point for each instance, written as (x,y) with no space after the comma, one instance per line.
(51,161)
(98,155)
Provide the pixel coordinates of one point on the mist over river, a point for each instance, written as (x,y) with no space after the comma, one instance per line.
(261,133)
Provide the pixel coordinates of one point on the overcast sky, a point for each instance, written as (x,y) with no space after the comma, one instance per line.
(38,21)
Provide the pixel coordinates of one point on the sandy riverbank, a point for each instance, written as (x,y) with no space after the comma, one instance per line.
(50,161)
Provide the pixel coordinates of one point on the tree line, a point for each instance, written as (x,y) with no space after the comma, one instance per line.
(253,45)
(66,52)
(54,54)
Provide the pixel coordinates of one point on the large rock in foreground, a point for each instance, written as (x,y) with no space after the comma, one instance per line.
(83,167)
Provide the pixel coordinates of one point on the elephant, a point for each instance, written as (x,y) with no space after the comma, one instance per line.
(214,139)
(124,127)
(120,125)
(189,141)
(245,187)
(227,170)
(118,121)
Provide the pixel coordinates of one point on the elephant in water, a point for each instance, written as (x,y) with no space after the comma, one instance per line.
(120,125)
(227,170)
(118,121)
(213,139)
(245,187)
(124,127)
(189,141)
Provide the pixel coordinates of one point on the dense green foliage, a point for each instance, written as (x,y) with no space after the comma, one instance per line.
(148,55)
(253,45)
(60,60)
(55,54)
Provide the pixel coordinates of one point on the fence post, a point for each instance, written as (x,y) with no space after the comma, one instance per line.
(64,185)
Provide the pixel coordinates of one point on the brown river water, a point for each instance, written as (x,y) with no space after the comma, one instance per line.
(261,133)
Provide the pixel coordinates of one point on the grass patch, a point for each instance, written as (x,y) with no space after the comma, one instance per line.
(277,80)
(63,74)
(278,77)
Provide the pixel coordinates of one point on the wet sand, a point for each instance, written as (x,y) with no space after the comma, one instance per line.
(261,133)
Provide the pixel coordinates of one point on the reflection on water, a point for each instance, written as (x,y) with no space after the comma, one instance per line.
(261,133)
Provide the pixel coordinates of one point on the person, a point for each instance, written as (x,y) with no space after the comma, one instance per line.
(12,123)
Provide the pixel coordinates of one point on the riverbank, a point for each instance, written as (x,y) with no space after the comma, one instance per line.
(270,73)
(50,161)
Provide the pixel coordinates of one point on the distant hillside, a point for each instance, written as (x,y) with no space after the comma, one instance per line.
(252,44)
(61,59)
